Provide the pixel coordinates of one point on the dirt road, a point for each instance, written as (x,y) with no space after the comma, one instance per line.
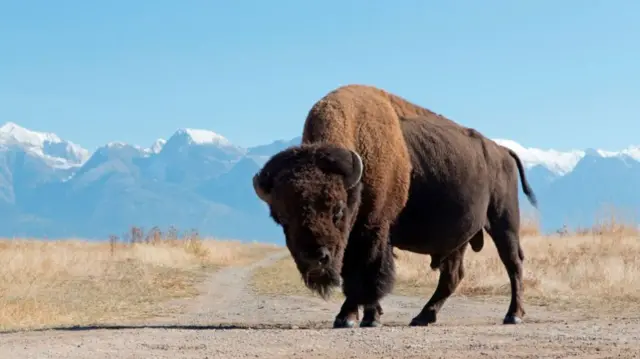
(229,321)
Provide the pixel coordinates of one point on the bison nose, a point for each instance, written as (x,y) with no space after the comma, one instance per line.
(318,258)
(323,256)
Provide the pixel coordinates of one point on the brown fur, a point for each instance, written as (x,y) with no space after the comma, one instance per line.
(418,167)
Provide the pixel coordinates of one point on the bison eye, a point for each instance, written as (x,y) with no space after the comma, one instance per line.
(338,213)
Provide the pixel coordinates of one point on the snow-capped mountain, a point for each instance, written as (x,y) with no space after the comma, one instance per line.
(199,179)
(202,141)
(557,162)
(48,146)
(560,162)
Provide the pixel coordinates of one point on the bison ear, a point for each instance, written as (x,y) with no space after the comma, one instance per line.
(262,186)
(263,180)
(343,161)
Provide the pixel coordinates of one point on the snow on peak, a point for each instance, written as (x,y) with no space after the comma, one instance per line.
(198,143)
(556,161)
(203,137)
(15,134)
(117,144)
(631,151)
(561,162)
(157,145)
(59,153)
(119,149)
(593,152)
(155,148)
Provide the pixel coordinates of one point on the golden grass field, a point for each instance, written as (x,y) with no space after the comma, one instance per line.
(584,269)
(77,282)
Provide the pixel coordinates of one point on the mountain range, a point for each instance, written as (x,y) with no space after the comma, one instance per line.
(197,179)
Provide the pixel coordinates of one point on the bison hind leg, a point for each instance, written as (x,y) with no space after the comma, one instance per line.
(436,260)
(504,232)
(477,241)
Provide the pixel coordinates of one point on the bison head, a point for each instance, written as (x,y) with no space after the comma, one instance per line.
(313,193)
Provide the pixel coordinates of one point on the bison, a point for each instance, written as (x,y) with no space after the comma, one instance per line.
(375,171)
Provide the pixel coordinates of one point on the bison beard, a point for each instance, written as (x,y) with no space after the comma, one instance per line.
(322,281)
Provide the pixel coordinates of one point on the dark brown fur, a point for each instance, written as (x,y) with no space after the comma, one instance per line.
(427,185)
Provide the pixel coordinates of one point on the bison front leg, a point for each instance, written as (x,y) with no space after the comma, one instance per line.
(348,314)
(368,273)
(372,313)
(451,274)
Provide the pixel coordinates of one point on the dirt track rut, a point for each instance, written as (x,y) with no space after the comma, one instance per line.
(228,321)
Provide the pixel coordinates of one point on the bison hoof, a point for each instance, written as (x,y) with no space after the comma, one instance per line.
(423,319)
(416,322)
(343,323)
(370,324)
(512,319)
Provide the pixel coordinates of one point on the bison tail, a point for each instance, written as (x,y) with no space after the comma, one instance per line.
(525,185)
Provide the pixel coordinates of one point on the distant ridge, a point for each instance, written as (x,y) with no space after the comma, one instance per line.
(52,187)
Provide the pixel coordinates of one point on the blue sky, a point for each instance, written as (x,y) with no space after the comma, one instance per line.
(561,74)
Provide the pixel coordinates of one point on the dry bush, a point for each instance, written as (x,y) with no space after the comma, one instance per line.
(76,282)
(597,269)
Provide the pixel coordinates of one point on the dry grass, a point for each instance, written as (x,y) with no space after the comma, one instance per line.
(598,268)
(581,271)
(75,282)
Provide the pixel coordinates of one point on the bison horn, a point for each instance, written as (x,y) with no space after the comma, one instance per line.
(259,190)
(356,172)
